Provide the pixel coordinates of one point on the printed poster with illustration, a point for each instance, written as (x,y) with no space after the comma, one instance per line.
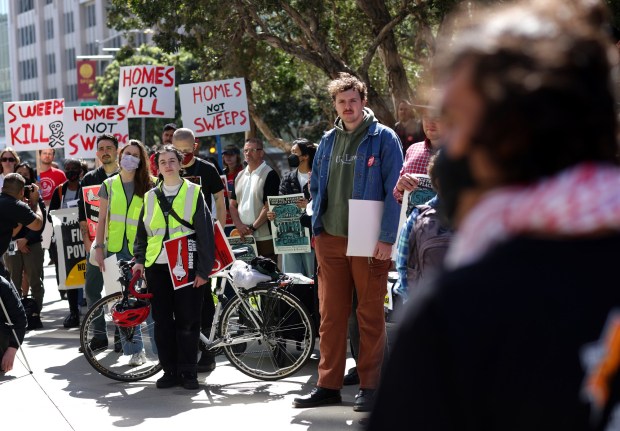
(71,252)
(91,207)
(289,236)
(182,259)
(247,246)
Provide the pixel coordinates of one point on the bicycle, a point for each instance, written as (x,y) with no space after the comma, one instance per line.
(264,331)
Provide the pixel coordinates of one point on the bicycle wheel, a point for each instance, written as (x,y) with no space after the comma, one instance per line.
(102,342)
(282,342)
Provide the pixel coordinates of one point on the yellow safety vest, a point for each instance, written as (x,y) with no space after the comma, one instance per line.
(122,220)
(184,204)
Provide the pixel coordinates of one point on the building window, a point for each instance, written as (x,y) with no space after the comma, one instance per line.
(51,64)
(49,29)
(52,93)
(26,35)
(91,17)
(91,48)
(71,93)
(25,6)
(69,26)
(70,55)
(30,96)
(28,69)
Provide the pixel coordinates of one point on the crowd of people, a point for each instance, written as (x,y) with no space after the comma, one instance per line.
(507,171)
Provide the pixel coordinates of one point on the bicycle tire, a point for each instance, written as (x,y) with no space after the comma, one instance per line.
(107,360)
(280,346)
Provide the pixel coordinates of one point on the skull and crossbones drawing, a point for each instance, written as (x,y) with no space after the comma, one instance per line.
(58,136)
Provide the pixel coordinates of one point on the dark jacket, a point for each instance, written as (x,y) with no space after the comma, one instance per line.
(15,310)
(290,185)
(507,343)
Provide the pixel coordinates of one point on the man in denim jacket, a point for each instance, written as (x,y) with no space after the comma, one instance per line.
(358,159)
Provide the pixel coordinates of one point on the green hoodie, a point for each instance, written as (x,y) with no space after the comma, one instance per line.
(341,171)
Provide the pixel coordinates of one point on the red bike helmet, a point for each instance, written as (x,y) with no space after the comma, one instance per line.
(130,314)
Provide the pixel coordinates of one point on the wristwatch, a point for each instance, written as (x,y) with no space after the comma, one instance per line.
(251,227)
(99,245)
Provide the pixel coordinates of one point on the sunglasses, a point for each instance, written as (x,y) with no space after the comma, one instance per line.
(7,159)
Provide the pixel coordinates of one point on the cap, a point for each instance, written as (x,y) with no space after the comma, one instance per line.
(170,126)
(231,149)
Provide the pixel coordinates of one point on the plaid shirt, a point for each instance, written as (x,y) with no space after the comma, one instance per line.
(416,162)
(403,248)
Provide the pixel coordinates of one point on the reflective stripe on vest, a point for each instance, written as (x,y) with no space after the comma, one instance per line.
(122,221)
(184,204)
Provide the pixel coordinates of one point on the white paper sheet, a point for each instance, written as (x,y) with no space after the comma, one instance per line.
(111,275)
(364,226)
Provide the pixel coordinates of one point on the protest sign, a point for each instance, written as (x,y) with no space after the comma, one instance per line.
(215,107)
(91,207)
(289,236)
(35,125)
(84,124)
(223,253)
(147,91)
(71,252)
(247,245)
(182,259)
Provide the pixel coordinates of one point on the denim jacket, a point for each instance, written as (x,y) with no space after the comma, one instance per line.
(378,163)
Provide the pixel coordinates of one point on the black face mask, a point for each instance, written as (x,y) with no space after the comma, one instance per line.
(72,175)
(293,161)
(453,177)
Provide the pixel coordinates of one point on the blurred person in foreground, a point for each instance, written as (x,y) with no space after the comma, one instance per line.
(521,330)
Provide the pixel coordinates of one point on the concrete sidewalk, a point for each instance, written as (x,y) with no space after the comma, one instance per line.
(65,393)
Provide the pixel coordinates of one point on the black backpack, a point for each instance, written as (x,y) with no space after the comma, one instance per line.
(428,245)
(266,266)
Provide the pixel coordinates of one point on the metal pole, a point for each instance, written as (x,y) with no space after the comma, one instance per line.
(143,130)
(218,150)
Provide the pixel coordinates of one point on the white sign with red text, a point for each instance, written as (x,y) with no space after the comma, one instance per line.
(215,107)
(35,125)
(147,91)
(85,123)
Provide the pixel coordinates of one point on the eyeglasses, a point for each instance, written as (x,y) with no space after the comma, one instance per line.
(8,159)
(251,150)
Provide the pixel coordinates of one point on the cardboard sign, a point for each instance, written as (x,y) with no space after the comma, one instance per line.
(35,125)
(91,207)
(224,256)
(182,259)
(215,107)
(85,123)
(71,252)
(147,91)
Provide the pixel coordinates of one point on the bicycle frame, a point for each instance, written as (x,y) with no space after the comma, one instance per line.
(212,342)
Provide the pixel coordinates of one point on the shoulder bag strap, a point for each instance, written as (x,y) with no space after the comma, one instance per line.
(167,209)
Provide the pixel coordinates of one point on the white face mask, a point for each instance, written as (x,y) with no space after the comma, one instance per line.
(130,163)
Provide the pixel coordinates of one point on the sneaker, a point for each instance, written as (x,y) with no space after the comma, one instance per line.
(318,397)
(363,400)
(351,378)
(168,380)
(71,321)
(206,364)
(137,359)
(189,380)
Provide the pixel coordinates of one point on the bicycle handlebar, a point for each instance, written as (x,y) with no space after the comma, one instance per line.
(132,290)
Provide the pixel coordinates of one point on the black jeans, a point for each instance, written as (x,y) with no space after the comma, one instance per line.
(177,320)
